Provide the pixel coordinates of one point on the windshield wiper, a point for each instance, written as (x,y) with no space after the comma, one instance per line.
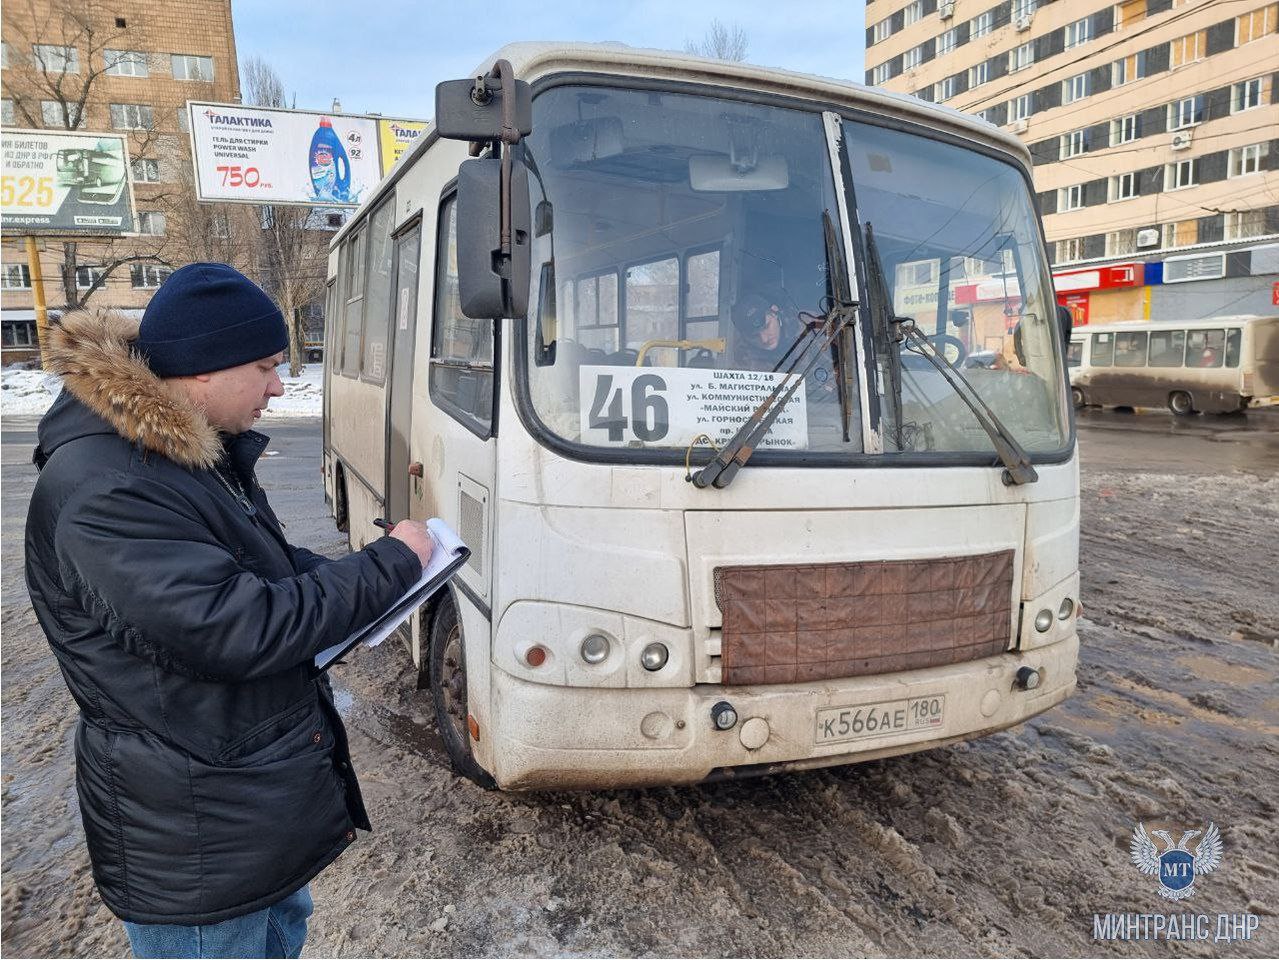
(881,316)
(719,472)
(1017,466)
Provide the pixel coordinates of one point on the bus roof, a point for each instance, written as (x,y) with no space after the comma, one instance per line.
(531,60)
(1210,324)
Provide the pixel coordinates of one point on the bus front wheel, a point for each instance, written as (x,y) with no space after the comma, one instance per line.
(1180,403)
(447,671)
(1077,398)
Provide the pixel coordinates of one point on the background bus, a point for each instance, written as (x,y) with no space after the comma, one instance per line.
(896,565)
(1222,365)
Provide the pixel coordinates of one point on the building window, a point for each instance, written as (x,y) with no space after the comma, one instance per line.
(131,116)
(1183,233)
(1023,56)
(1068,250)
(1124,186)
(1129,12)
(1255,25)
(1185,113)
(1187,49)
(6,112)
(1242,224)
(978,74)
(912,12)
(220,225)
(54,58)
(146,171)
(1073,144)
(1023,8)
(1246,160)
(1019,107)
(981,24)
(1245,95)
(1078,32)
(151,222)
(19,333)
(1121,243)
(912,58)
(1130,68)
(879,75)
(126,63)
(148,276)
(1180,175)
(51,114)
(882,30)
(1125,129)
(85,277)
(5,54)
(186,67)
(1070,198)
(183,124)
(1076,88)
(947,88)
(947,41)
(16,276)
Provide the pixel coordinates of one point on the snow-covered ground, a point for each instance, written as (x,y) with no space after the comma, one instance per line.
(25,393)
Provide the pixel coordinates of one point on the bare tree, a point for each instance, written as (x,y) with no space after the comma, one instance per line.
(292,248)
(60,54)
(721,42)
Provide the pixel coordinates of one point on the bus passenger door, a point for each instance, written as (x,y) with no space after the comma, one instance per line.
(399,390)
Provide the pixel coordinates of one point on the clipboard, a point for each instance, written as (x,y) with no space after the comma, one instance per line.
(447,556)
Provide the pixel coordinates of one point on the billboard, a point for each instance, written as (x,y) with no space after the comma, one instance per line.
(65,181)
(273,156)
(396,136)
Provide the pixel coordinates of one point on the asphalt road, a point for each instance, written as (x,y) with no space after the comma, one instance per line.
(1004,846)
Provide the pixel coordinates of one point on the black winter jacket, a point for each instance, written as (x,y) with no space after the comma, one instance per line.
(212,768)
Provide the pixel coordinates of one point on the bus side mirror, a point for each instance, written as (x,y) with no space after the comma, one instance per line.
(492,286)
(1066,321)
(465,110)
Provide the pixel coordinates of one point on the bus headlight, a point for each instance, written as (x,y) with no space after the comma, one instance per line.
(1043,620)
(594,648)
(654,656)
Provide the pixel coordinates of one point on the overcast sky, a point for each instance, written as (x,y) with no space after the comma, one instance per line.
(386,56)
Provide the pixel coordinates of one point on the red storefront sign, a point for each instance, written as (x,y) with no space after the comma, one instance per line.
(1099,278)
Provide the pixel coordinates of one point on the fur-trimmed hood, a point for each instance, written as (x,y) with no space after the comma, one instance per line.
(92,351)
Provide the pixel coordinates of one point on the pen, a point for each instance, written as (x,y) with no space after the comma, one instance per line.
(384,524)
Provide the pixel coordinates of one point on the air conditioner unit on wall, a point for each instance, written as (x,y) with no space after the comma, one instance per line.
(1148,237)
(1018,126)
(1022,24)
(1181,140)
(946,9)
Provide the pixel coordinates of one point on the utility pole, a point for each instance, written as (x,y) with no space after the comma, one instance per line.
(37,294)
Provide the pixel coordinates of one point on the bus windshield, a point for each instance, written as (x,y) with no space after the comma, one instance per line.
(680,266)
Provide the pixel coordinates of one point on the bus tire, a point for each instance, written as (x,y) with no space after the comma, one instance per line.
(446,659)
(1077,398)
(341,516)
(1181,403)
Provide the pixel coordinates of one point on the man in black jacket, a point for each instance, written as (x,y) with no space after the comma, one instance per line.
(212,768)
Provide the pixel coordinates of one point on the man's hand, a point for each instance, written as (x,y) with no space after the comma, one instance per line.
(414,535)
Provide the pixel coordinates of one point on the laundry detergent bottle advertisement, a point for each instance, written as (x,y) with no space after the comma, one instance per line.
(264,155)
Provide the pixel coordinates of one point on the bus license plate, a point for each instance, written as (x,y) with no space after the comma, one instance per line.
(884,719)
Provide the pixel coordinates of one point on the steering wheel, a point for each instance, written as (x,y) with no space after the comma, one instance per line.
(951,349)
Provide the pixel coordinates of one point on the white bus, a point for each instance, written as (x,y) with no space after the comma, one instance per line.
(1222,365)
(735,501)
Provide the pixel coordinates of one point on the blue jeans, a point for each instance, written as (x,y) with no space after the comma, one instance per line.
(277,931)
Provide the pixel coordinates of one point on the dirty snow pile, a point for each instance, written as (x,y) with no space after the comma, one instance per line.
(25,393)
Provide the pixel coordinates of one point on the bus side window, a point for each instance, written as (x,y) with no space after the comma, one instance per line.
(1075,353)
(1167,347)
(1204,348)
(596,312)
(1103,350)
(1234,336)
(1130,349)
(353,310)
(461,348)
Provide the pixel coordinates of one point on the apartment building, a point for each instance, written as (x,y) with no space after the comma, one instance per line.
(130,67)
(1154,131)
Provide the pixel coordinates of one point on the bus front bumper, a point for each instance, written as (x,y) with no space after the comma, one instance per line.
(557,737)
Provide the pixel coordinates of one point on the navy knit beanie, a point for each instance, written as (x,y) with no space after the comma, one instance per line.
(208,316)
